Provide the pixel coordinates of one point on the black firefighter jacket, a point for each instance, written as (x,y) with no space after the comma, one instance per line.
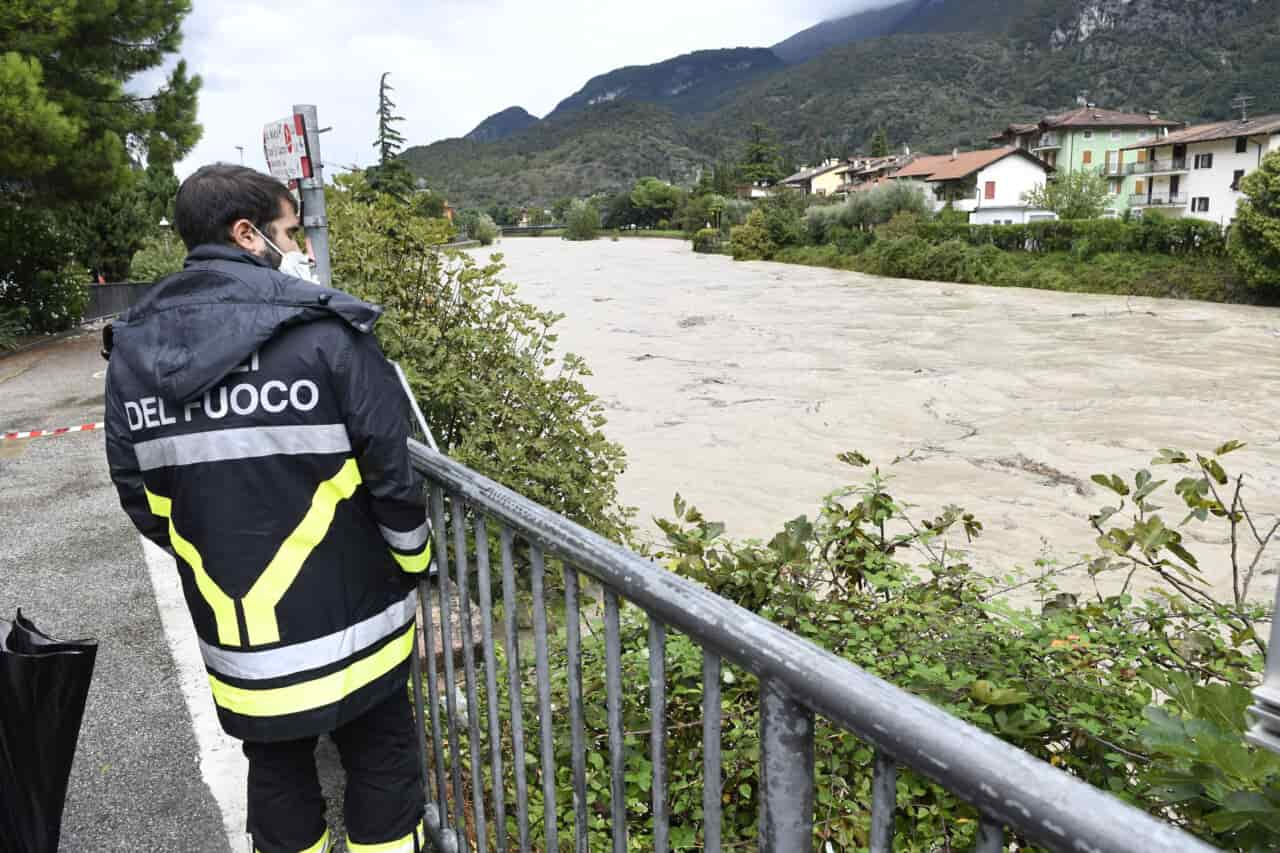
(255,431)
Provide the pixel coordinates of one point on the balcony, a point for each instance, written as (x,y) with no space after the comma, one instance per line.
(1158,200)
(1047,141)
(1112,170)
(1157,167)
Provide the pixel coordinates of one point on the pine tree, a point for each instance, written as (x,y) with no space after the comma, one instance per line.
(389,139)
(880,144)
(761,163)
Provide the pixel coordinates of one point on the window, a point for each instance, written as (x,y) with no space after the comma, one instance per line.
(1144,134)
(990,190)
(1115,187)
(1204,161)
(1200,204)
(1115,134)
(1088,134)
(1088,157)
(1242,145)
(1236,178)
(1140,187)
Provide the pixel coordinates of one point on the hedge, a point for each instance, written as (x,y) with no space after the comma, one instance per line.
(1089,237)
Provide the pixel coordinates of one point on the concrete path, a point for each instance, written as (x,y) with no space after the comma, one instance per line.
(736,384)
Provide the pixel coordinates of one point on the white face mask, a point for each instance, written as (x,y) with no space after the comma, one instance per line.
(293,263)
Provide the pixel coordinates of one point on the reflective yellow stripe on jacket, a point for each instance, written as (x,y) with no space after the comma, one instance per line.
(318,692)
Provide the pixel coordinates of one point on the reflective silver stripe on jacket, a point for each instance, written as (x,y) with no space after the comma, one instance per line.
(407,540)
(312,654)
(243,443)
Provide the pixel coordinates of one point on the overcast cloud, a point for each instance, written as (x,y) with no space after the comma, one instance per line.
(452,62)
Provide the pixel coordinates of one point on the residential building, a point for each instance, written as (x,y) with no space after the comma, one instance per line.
(989,185)
(867,172)
(818,180)
(1090,138)
(1197,171)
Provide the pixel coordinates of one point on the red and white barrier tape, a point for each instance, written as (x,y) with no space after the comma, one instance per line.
(44,433)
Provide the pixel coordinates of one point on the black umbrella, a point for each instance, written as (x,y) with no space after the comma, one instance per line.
(43,686)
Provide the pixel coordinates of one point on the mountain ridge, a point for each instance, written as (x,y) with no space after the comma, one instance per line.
(502,124)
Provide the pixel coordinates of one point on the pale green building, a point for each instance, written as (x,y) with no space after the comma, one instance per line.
(1092,138)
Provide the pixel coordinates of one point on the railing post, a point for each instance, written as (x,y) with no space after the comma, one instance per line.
(786,773)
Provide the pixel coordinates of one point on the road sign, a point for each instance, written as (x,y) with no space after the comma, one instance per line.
(285,144)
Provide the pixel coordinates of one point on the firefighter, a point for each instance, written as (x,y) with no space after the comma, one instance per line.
(256,432)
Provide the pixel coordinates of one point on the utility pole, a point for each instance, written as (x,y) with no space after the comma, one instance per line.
(240,148)
(314,218)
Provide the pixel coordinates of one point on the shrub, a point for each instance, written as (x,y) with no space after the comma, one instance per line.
(904,224)
(13,322)
(707,241)
(38,273)
(485,230)
(784,214)
(751,242)
(1255,241)
(158,257)
(582,221)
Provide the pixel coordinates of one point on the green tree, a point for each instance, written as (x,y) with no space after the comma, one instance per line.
(582,221)
(86,164)
(761,161)
(1255,238)
(880,143)
(655,200)
(1077,195)
(390,140)
(560,207)
(68,128)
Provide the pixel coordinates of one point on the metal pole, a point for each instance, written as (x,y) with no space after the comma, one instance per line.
(1265,731)
(312,188)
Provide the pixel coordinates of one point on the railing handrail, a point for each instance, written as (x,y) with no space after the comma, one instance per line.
(1171,164)
(1158,198)
(1004,783)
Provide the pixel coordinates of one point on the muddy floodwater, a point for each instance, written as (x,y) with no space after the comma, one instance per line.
(736,384)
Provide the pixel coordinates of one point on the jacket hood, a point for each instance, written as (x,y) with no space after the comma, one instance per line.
(196,326)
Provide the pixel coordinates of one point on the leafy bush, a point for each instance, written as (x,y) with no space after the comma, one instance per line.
(1255,240)
(38,273)
(707,241)
(1141,698)
(485,230)
(582,222)
(158,257)
(784,218)
(13,322)
(482,362)
(751,242)
(1150,234)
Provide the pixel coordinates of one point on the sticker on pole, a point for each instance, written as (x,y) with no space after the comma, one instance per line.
(285,144)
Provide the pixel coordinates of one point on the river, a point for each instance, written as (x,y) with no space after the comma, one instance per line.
(737,384)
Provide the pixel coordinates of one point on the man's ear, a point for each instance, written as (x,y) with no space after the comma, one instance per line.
(244,235)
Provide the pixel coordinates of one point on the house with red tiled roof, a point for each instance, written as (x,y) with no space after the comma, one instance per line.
(1091,138)
(989,185)
(1197,171)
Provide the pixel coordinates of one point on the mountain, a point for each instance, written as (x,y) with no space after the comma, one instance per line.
(503,124)
(691,83)
(926,85)
(860,26)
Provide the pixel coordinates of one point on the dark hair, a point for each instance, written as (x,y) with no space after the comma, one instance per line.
(215,196)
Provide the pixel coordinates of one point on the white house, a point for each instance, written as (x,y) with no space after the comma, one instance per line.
(989,185)
(1197,171)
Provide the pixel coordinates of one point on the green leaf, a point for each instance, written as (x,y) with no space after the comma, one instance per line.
(988,694)
(854,458)
(1230,446)
(1112,482)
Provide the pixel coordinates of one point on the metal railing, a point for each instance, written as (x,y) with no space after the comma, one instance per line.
(797,682)
(1047,140)
(106,300)
(1157,200)
(1147,167)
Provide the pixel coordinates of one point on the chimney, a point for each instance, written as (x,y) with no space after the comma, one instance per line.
(1091,105)
(1153,114)
(955,153)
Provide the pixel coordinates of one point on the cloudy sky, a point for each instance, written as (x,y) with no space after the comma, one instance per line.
(452,62)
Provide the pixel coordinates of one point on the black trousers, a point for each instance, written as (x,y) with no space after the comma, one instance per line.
(384,800)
